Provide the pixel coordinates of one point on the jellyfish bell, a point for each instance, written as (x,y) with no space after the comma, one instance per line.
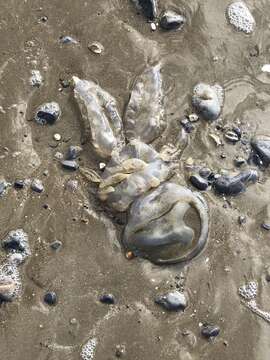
(168,225)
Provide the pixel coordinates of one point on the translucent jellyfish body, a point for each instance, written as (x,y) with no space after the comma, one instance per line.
(102,122)
(143,118)
(167,225)
(131,173)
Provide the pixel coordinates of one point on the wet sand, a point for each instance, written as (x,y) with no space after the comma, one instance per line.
(91,261)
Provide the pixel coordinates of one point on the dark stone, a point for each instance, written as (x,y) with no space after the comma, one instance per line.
(172,301)
(107,299)
(209,331)
(234,185)
(149,8)
(261,147)
(50,118)
(70,165)
(73,152)
(56,245)
(19,184)
(48,113)
(170,20)
(199,182)
(50,298)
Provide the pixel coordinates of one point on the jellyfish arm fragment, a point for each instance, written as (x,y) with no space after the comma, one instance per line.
(102,122)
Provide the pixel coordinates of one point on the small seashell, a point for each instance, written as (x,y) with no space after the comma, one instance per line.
(216,139)
(57,137)
(96,47)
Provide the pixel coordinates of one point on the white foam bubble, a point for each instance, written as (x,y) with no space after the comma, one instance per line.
(249,291)
(88,350)
(240,17)
(9,273)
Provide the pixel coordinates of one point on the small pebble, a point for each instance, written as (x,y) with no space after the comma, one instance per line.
(153,26)
(73,152)
(50,298)
(56,245)
(199,182)
(265,226)
(36,78)
(3,187)
(70,165)
(19,184)
(73,321)
(37,186)
(68,40)
(57,137)
(209,331)
(48,113)
(172,301)
(242,220)
(170,20)
(58,155)
(193,117)
(107,299)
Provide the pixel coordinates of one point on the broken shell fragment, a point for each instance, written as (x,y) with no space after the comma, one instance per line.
(149,8)
(96,47)
(167,225)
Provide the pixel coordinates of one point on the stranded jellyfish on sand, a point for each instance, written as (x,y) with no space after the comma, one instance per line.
(167,223)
